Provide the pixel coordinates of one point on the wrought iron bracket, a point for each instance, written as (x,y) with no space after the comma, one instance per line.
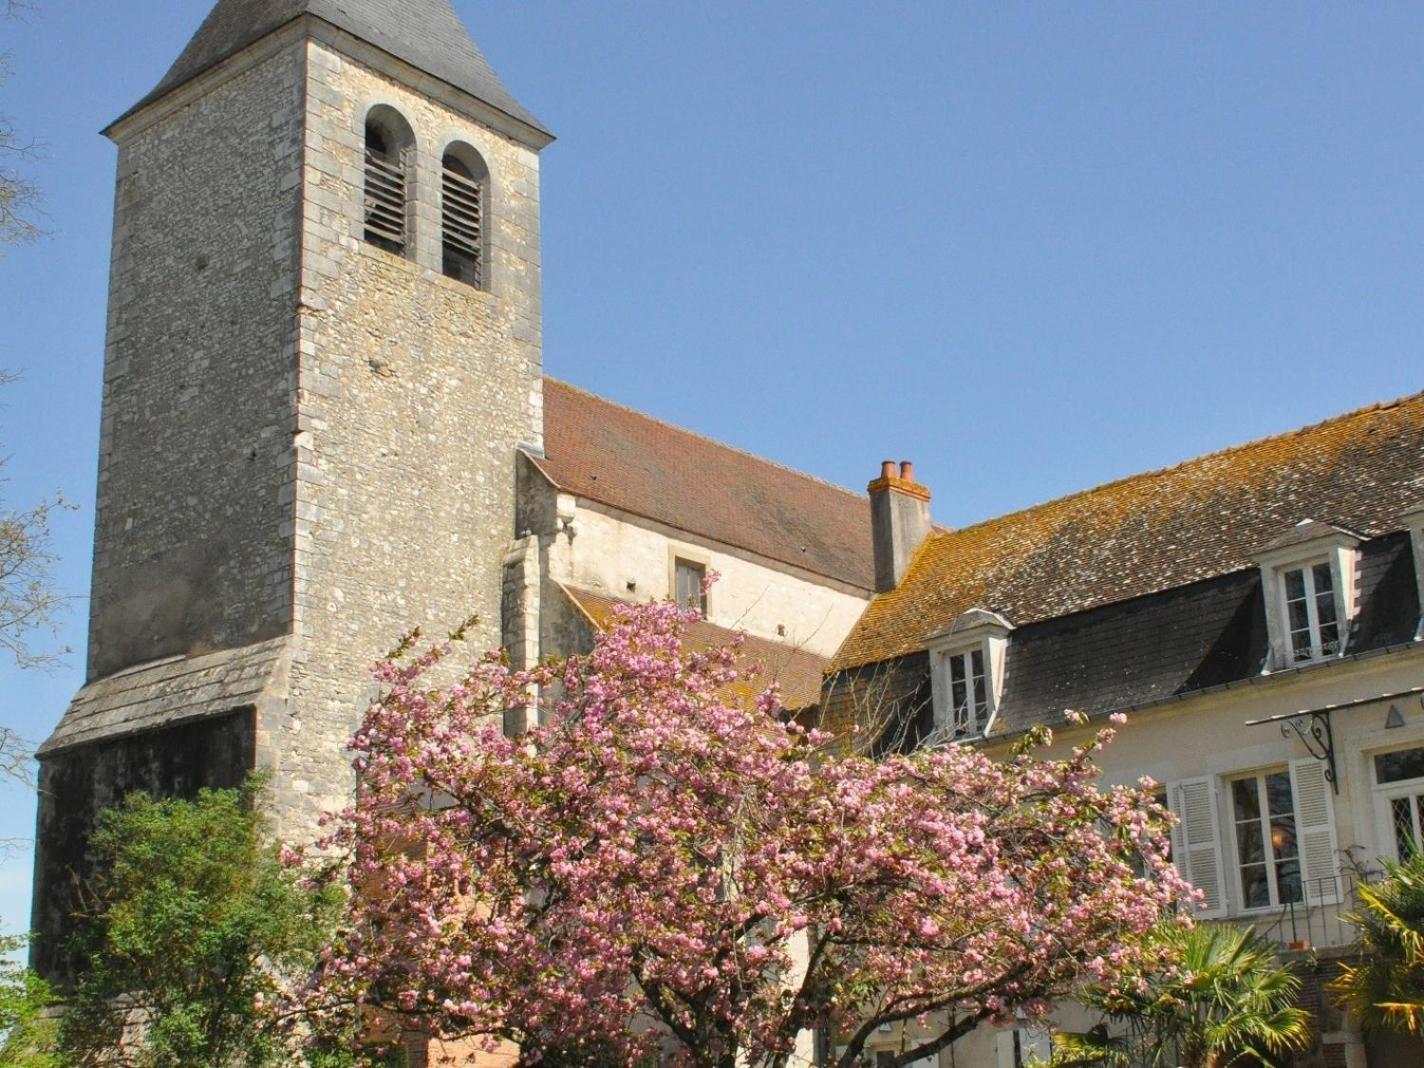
(1315,733)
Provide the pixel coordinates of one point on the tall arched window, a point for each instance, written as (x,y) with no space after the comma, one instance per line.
(465,179)
(389,146)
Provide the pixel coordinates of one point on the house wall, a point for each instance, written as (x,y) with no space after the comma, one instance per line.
(1207,735)
(632,558)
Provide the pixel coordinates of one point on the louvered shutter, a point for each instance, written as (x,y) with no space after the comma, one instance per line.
(1315,832)
(1196,841)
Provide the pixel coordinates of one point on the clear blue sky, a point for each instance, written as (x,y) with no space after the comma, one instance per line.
(1032,247)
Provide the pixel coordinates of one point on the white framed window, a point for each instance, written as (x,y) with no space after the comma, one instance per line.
(1267,858)
(968,693)
(1311,617)
(1279,847)
(1308,583)
(967,674)
(1399,799)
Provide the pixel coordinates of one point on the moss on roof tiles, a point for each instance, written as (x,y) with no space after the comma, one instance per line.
(1154,531)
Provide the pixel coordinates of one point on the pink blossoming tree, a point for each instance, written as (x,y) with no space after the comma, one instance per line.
(654,874)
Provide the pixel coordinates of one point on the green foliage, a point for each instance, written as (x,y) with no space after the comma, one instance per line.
(1385,989)
(26,1032)
(194,926)
(1221,998)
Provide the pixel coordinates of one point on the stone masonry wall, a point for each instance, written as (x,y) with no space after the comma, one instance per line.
(193,535)
(414,392)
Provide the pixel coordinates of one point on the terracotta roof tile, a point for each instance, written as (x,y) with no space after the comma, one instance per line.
(607,453)
(795,670)
(1155,531)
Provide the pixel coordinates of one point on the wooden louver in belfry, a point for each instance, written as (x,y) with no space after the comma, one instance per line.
(462,225)
(385,202)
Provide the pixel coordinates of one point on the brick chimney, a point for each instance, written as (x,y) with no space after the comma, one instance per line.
(899,521)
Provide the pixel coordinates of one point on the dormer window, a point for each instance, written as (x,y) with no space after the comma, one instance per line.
(968,693)
(967,662)
(1308,580)
(389,146)
(1310,611)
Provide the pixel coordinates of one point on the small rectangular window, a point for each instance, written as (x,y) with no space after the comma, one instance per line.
(688,586)
(1399,766)
(1313,623)
(1267,856)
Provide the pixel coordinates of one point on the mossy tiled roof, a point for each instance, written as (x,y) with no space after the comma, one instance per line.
(1155,531)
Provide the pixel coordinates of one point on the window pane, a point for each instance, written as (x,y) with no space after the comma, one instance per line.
(1255,886)
(1278,790)
(1396,767)
(1329,640)
(1295,585)
(1245,800)
(688,586)
(1324,579)
(1402,814)
(1288,881)
(1250,848)
(1283,844)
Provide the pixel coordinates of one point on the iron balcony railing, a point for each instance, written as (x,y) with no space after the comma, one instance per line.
(1318,921)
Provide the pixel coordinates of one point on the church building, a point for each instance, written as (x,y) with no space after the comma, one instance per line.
(325,421)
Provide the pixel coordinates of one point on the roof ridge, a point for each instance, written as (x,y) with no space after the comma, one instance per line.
(709,439)
(1160,472)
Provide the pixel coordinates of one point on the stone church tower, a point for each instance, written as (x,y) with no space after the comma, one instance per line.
(323,353)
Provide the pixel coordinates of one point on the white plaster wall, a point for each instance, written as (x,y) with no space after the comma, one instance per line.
(609,550)
(1207,735)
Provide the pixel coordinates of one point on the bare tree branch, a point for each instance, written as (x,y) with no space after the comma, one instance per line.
(19,196)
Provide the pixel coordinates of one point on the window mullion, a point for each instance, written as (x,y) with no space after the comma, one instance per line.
(1268,851)
(1317,650)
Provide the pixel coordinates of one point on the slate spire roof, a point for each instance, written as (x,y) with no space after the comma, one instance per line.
(427,34)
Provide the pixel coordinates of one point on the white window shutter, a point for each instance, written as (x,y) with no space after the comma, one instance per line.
(1196,841)
(1315,832)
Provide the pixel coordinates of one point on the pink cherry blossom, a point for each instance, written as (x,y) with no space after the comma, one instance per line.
(664,873)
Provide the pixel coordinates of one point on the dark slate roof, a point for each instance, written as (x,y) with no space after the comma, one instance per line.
(605,452)
(1194,638)
(427,34)
(1164,646)
(1131,539)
